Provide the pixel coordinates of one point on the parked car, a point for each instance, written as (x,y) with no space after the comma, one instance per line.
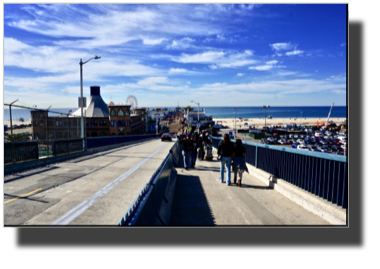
(302,147)
(323,150)
(288,141)
(286,136)
(341,137)
(282,141)
(269,140)
(166,136)
(295,136)
(312,148)
(308,141)
(263,141)
(302,136)
(339,152)
(335,147)
(314,140)
(323,142)
(291,135)
(294,145)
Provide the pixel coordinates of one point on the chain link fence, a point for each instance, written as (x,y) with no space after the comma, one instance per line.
(31,133)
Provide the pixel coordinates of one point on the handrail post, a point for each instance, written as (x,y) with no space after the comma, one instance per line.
(68,133)
(85,134)
(10,114)
(47,133)
(256,158)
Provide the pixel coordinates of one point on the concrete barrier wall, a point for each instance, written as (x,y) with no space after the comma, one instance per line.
(153,205)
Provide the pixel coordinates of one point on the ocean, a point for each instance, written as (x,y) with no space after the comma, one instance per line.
(229,112)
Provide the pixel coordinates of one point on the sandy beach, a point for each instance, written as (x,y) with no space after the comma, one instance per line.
(259,122)
(17,122)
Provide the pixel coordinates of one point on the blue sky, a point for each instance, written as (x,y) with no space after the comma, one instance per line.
(218,55)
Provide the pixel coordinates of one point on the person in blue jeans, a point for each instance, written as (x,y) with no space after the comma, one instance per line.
(225,150)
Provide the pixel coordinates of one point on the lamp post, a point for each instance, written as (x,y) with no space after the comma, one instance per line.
(81,94)
(10,114)
(235,118)
(68,131)
(198,112)
(47,131)
(265,107)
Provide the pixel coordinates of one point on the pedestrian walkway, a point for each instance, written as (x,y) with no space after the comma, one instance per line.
(200,199)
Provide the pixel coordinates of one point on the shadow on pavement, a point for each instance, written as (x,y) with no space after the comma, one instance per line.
(190,206)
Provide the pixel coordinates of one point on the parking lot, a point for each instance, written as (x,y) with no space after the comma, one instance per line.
(319,141)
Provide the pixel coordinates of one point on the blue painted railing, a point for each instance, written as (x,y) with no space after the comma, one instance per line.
(96,142)
(322,174)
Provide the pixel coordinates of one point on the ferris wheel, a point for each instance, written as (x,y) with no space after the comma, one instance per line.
(132,101)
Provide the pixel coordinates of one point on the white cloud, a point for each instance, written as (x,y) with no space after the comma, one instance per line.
(217,59)
(261,67)
(268,66)
(177,71)
(295,52)
(220,37)
(181,44)
(206,57)
(343,44)
(240,74)
(272,62)
(153,80)
(147,41)
(282,46)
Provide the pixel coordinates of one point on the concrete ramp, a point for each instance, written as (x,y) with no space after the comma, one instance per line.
(201,200)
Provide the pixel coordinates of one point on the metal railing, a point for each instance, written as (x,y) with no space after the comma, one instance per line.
(321,174)
(48,131)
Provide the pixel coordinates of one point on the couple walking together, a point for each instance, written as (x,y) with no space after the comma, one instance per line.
(230,154)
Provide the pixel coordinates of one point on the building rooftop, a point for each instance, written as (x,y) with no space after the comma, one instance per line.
(96,107)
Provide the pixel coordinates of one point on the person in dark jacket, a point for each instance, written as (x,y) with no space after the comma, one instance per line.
(238,158)
(194,149)
(186,149)
(225,150)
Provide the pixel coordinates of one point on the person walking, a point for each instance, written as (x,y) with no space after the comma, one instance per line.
(194,149)
(238,158)
(225,150)
(201,151)
(186,148)
(208,147)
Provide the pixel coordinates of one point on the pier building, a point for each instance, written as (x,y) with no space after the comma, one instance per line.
(101,120)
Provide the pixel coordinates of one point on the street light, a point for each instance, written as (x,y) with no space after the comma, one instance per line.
(265,107)
(81,93)
(198,112)
(235,118)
